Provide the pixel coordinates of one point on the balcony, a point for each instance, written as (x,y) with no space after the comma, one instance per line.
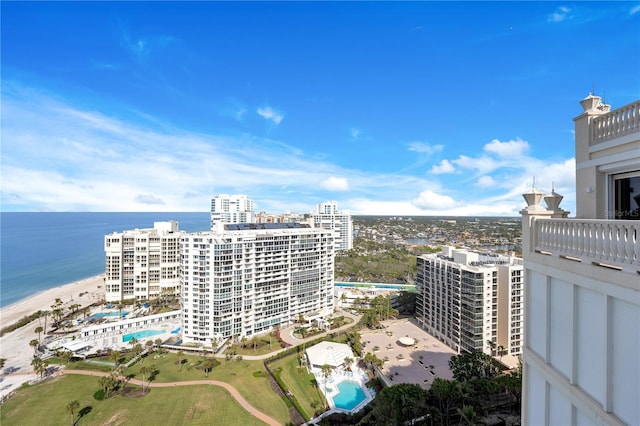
(617,123)
(612,244)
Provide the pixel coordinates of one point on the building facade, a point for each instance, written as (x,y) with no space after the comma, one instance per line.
(245,279)
(471,301)
(142,264)
(232,209)
(582,313)
(327,216)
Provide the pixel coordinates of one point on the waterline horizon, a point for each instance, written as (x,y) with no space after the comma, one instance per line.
(41,251)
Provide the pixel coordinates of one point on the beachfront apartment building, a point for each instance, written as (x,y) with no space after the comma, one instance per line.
(227,208)
(142,264)
(327,216)
(582,298)
(245,279)
(471,301)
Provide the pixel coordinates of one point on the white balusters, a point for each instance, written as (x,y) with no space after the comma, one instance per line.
(616,123)
(614,242)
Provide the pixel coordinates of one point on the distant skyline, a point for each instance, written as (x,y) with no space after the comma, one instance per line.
(416,108)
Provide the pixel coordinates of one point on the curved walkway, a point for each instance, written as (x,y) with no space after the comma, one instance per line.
(233,391)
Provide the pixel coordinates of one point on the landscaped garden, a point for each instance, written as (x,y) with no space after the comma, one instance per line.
(300,384)
(250,378)
(46,404)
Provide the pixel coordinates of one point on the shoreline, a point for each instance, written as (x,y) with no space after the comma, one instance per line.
(92,290)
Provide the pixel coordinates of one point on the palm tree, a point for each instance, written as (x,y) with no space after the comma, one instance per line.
(66,356)
(38,330)
(34,344)
(501,351)
(115,357)
(45,314)
(144,370)
(468,413)
(57,313)
(39,366)
(208,366)
(326,372)
(492,345)
(180,359)
(72,407)
(347,363)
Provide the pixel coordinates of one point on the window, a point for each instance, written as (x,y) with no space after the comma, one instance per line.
(626,196)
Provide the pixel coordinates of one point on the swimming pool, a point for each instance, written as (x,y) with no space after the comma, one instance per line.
(140,335)
(377,286)
(109,314)
(350,395)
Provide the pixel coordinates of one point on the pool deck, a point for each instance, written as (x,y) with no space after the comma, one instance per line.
(357,375)
(409,364)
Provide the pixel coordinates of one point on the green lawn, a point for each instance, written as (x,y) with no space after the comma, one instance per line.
(45,404)
(300,383)
(255,388)
(261,347)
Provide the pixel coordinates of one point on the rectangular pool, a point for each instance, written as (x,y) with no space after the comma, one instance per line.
(141,335)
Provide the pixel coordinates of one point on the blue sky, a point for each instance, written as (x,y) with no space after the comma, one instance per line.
(418,108)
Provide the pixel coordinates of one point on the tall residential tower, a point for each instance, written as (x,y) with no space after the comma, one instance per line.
(231,209)
(142,264)
(469,299)
(245,279)
(327,216)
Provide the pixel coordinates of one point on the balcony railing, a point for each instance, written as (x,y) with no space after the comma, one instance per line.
(616,123)
(611,243)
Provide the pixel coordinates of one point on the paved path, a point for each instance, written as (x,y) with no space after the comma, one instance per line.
(233,391)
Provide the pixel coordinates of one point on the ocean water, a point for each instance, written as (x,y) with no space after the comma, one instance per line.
(39,251)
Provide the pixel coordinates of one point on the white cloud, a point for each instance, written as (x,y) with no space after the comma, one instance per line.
(510,148)
(148,199)
(485,182)
(62,158)
(269,113)
(482,164)
(444,167)
(335,184)
(354,132)
(429,200)
(560,14)
(425,148)
(634,10)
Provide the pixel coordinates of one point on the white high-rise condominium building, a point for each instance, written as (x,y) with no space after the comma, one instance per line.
(141,264)
(245,279)
(327,216)
(231,209)
(468,299)
(581,357)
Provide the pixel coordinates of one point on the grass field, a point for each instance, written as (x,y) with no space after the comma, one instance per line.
(250,378)
(45,404)
(300,383)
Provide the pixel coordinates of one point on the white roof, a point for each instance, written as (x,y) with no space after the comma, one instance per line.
(331,353)
(76,345)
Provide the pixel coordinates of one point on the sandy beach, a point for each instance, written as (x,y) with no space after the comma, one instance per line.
(14,346)
(92,290)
